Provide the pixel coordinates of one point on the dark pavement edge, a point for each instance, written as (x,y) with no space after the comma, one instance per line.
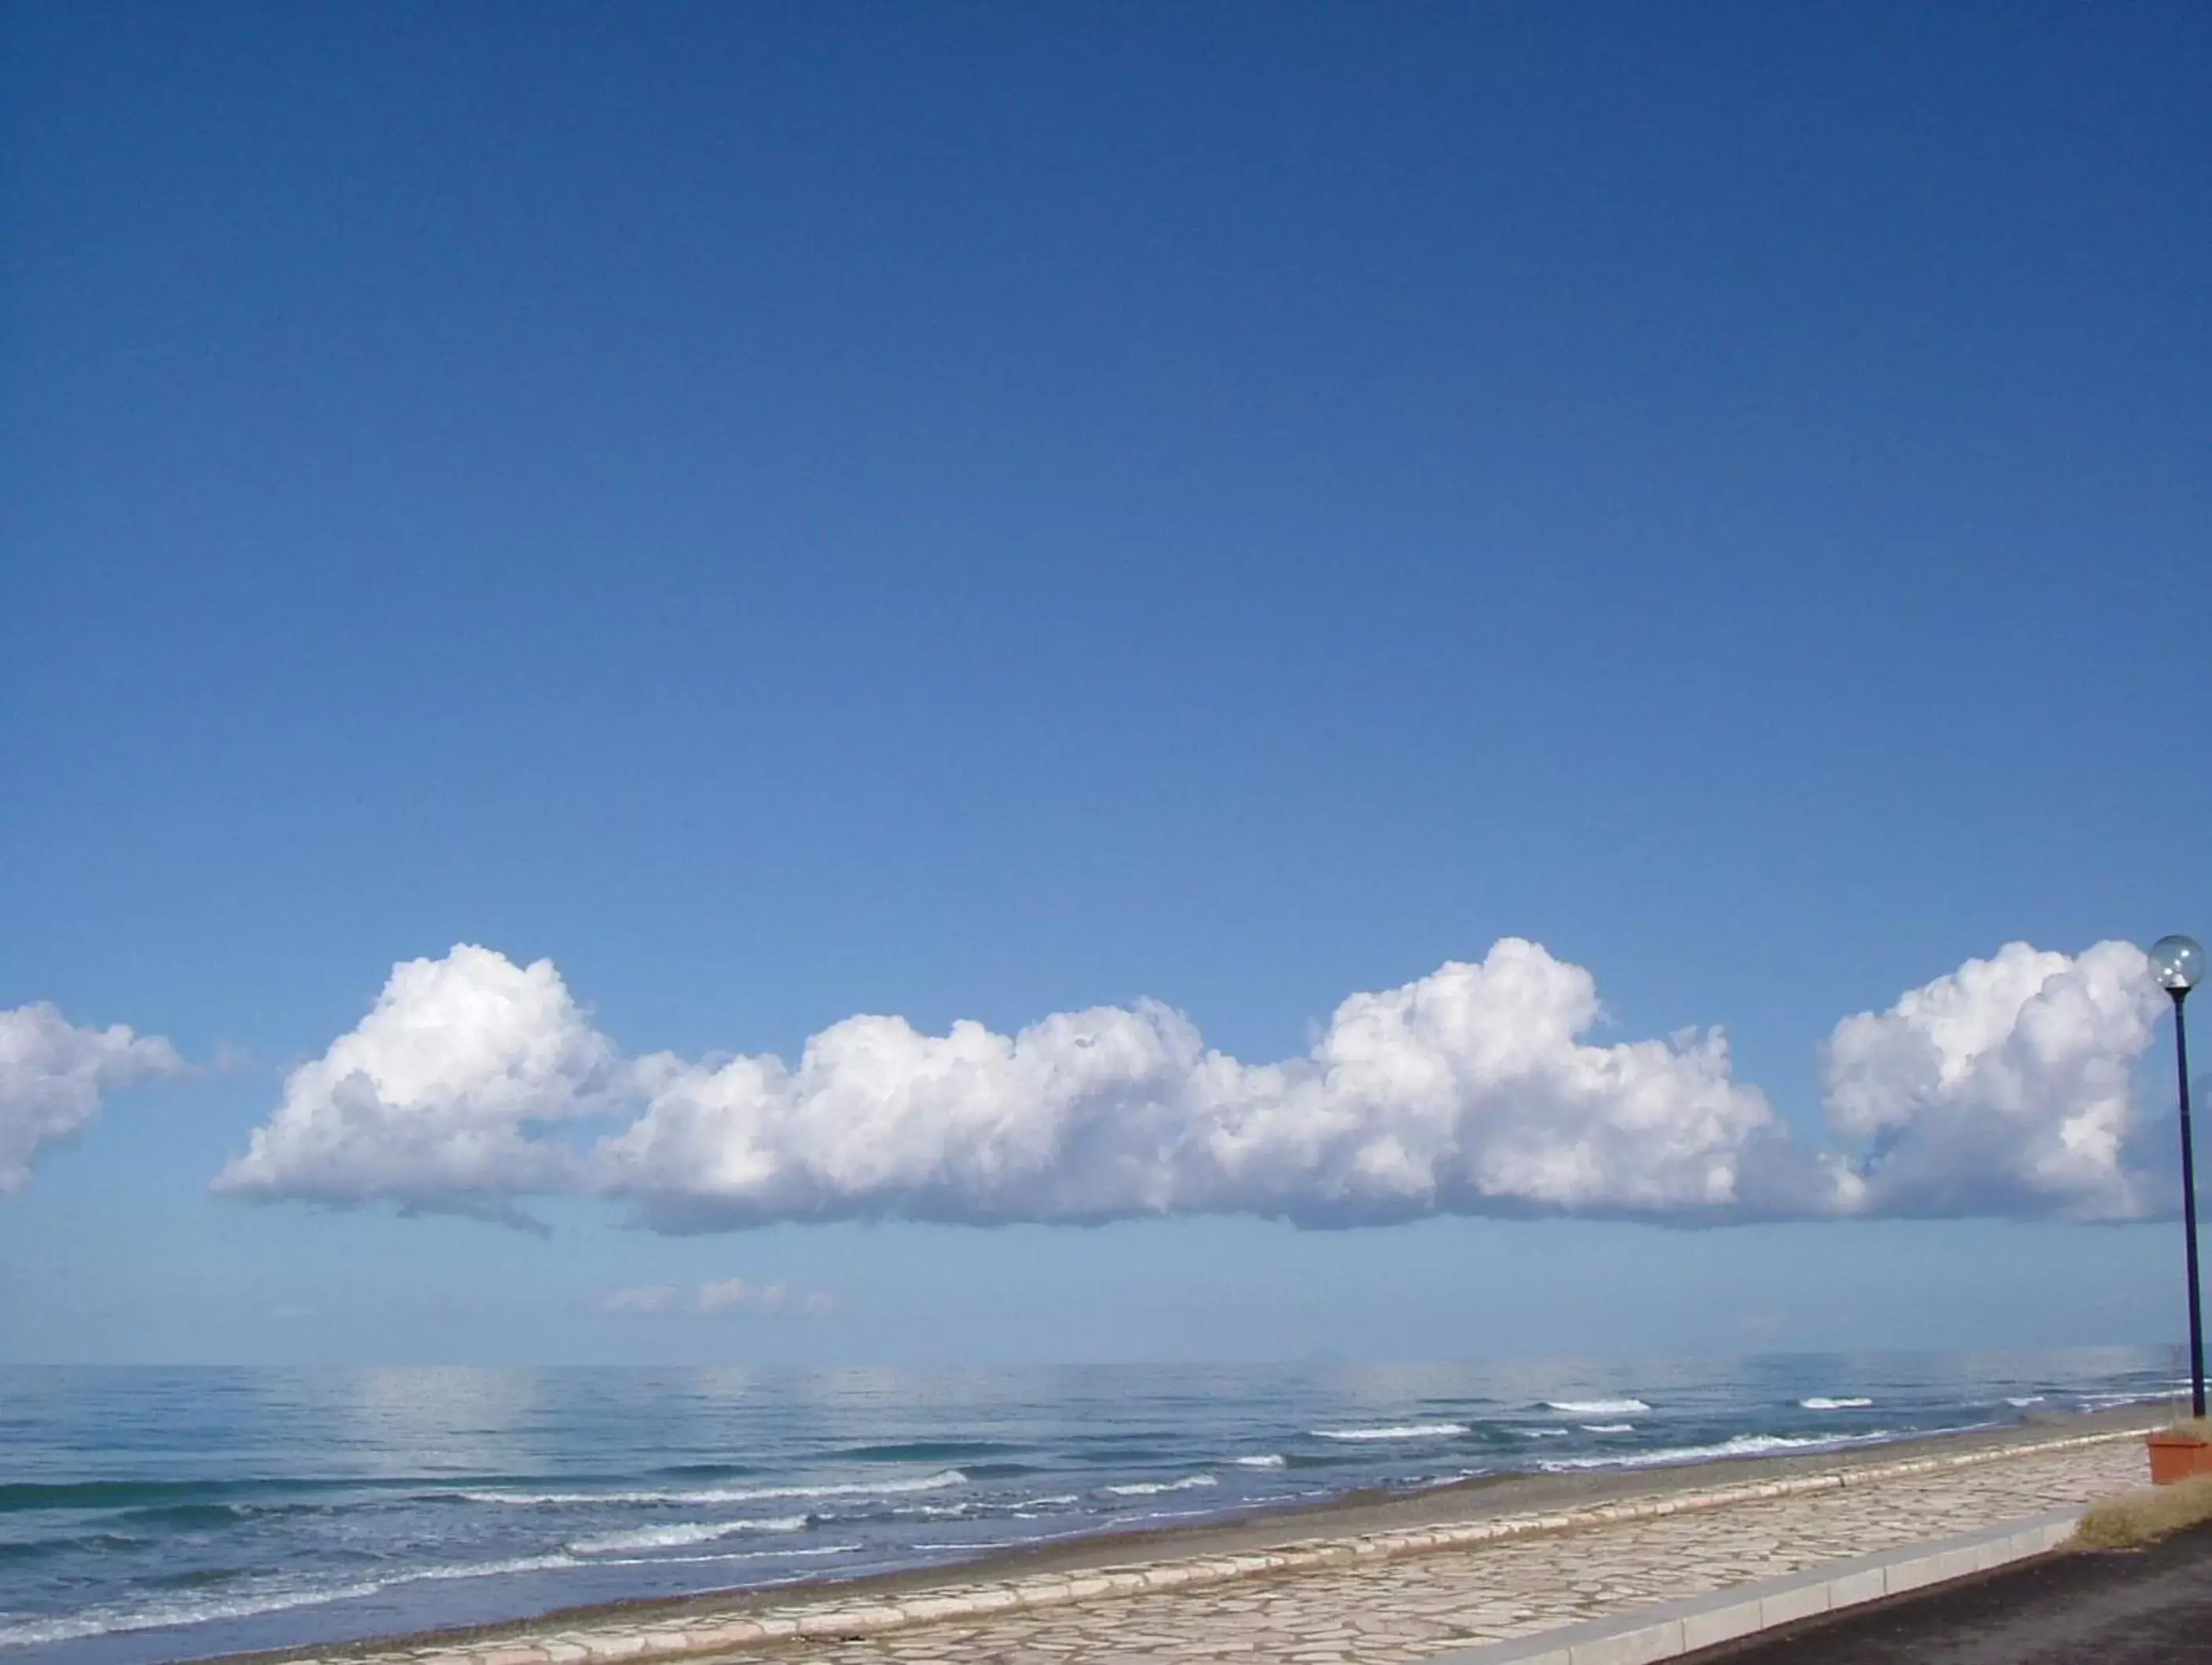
(2151,1606)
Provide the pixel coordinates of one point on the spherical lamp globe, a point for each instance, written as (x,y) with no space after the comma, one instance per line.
(2178,964)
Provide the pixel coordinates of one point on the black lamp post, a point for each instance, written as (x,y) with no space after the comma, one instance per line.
(2178,962)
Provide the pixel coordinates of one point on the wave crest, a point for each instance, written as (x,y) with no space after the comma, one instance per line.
(1743,1445)
(686,1532)
(936,1482)
(1153,1488)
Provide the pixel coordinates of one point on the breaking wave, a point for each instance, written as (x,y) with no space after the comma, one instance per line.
(937,1482)
(160,1615)
(1153,1488)
(675,1537)
(1743,1445)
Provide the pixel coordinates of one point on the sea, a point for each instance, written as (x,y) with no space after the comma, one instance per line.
(152,1514)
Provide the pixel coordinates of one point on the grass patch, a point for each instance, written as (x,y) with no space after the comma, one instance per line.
(2144,1517)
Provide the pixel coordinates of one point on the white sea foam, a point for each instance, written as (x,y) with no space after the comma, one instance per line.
(1396,1431)
(1743,1445)
(1026,1538)
(1818,1404)
(1272,1460)
(728,1555)
(1167,1514)
(184,1610)
(1608,1427)
(283,1596)
(675,1537)
(1543,1433)
(2025,1399)
(1596,1406)
(1153,1488)
(881,1488)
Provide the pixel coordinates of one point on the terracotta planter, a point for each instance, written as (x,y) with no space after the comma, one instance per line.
(2175,1458)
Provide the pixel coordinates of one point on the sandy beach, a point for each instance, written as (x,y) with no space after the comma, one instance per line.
(1340,1521)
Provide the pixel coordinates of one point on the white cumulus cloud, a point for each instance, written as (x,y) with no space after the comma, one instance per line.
(1470,1091)
(2000,1088)
(1473,1090)
(53,1075)
(435,1100)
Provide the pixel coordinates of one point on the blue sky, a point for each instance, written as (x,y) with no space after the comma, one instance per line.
(793,512)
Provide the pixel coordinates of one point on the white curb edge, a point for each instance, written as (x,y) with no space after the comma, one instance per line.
(1676,1628)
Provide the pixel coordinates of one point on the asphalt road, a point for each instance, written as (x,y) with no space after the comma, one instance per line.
(2147,1607)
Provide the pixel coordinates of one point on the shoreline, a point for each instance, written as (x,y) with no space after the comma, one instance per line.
(1349,1515)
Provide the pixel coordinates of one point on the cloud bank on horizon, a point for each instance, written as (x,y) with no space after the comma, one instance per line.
(2000,1088)
(53,1076)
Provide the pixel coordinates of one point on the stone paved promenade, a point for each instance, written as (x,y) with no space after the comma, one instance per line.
(1382,1599)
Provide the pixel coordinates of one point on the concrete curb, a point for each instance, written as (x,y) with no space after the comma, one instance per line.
(1669,1631)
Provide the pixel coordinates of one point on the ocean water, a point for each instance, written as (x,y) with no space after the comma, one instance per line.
(152,1514)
